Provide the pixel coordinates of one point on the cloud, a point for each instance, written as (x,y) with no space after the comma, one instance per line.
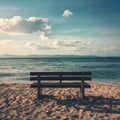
(67,43)
(111,48)
(67,13)
(44,35)
(6,42)
(19,25)
(32,45)
(71,43)
(64,46)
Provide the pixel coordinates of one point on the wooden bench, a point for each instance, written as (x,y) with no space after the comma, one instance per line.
(60,80)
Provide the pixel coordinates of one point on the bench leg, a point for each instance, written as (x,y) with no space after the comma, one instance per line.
(82,89)
(39,90)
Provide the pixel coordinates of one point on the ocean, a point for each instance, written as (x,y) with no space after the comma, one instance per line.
(17,70)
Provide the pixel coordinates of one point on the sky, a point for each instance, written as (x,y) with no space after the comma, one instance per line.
(60,27)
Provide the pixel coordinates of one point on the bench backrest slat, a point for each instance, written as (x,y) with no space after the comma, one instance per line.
(60,76)
(60,73)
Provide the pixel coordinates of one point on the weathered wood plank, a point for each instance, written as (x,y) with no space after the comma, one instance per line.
(60,78)
(58,73)
(39,88)
(61,85)
(34,78)
(82,88)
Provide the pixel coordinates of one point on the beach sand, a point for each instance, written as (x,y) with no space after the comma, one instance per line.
(19,102)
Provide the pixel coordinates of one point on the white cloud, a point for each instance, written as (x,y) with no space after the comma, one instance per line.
(67,13)
(19,25)
(67,43)
(43,36)
(111,48)
(6,42)
(71,43)
(66,46)
(32,45)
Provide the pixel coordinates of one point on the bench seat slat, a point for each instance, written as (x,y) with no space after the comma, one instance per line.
(60,85)
(62,78)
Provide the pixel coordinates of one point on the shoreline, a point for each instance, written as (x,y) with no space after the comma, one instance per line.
(19,101)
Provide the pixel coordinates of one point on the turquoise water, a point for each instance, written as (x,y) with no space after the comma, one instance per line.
(104,69)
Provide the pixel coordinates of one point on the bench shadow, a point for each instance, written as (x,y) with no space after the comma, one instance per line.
(46,97)
(92,103)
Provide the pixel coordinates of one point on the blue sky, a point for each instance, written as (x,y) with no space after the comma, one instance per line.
(82,27)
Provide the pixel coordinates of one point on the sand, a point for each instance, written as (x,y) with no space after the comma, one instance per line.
(19,102)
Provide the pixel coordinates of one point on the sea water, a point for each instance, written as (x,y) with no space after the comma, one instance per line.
(16,70)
